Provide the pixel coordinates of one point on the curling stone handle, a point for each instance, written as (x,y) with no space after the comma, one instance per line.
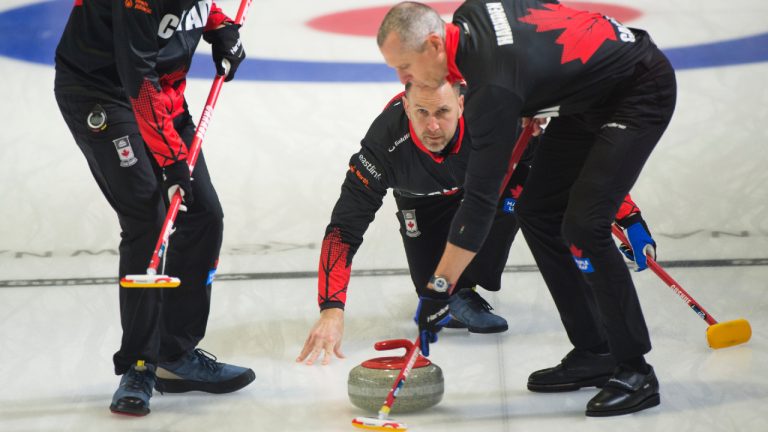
(394,344)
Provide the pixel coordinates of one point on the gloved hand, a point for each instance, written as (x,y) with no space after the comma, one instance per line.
(225,44)
(176,176)
(431,315)
(640,239)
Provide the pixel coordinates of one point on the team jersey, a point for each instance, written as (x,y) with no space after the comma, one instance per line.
(136,53)
(526,58)
(391,156)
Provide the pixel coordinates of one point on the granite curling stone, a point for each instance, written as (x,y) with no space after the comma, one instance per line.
(370,382)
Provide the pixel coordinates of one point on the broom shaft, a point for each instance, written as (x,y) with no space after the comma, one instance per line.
(194,152)
(663,275)
(400,381)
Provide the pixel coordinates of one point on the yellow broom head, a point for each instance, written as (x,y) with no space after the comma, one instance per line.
(729,333)
(375,424)
(149,281)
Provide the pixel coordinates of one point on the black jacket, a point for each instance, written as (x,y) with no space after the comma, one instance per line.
(528,58)
(136,53)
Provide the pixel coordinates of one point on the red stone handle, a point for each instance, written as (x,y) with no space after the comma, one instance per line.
(394,344)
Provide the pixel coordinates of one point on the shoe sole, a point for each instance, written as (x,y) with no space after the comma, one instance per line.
(182,386)
(649,402)
(488,330)
(598,382)
(122,409)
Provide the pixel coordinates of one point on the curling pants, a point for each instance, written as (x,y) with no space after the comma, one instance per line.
(583,168)
(158,324)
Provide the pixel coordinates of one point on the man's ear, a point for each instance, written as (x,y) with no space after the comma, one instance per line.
(435,42)
(461,105)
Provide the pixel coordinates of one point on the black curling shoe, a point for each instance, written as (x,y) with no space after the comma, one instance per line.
(626,392)
(578,369)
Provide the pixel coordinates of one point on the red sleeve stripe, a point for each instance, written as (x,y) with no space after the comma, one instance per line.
(334,270)
(154,115)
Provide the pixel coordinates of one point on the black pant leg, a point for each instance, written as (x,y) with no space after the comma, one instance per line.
(193,257)
(592,176)
(540,212)
(620,150)
(127,176)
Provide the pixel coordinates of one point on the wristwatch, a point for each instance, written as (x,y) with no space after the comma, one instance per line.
(440,284)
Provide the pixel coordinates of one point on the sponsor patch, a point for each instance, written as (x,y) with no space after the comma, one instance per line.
(411,226)
(584,264)
(369,166)
(139,5)
(398,142)
(125,151)
(211,276)
(509,205)
(614,125)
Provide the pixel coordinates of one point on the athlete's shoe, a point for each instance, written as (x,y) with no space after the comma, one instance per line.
(626,392)
(578,369)
(455,324)
(132,397)
(467,306)
(199,370)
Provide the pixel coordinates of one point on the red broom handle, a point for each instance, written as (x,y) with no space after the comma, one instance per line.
(656,268)
(413,354)
(517,152)
(194,152)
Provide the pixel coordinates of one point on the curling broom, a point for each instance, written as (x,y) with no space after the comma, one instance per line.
(719,334)
(151,279)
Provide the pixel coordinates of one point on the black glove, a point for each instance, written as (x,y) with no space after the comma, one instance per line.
(176,176)
(640,239)
(431,315)
(225,43)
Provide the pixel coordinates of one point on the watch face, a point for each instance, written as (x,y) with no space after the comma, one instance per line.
(441,285)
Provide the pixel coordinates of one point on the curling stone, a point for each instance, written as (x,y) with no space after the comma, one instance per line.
(370,382)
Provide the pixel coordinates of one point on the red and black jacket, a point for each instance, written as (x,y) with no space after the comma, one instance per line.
(390,157)
(136,53)
(526,58)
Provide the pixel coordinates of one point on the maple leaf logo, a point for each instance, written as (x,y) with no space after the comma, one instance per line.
(576,251)
(584,31)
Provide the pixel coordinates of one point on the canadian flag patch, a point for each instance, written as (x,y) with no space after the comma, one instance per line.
(125,151)
(411,226)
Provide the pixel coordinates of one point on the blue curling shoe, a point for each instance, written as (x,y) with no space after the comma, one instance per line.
(199,370)
(132,397)
(469,308)
(455,324)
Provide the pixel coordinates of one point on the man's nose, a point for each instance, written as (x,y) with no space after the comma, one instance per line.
(405,77)
(432,124)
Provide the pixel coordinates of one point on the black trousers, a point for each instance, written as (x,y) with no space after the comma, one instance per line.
(158,324)
(584,166)
(429,220)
